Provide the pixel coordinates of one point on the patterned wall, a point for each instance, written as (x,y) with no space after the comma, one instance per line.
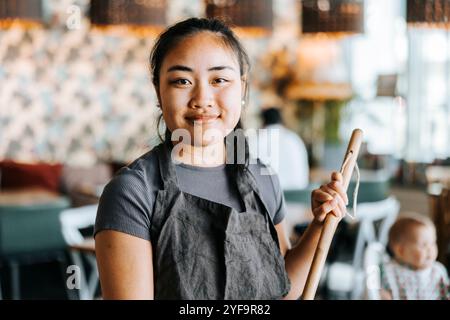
(66,95)
(79,96)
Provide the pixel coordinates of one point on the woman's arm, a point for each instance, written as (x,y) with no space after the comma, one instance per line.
(298,259)
(125,265)
(330,198)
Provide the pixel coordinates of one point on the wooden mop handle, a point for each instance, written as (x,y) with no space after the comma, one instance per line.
(331,222)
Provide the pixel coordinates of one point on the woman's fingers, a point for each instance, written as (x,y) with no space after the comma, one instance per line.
(325,188)
(321,196)
(337,176)
(337,185)
(321,211)
(329,188)
(342,209)
(336,206)
(330,198)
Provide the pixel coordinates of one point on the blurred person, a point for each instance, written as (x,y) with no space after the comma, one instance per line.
(413,272)
(283,150)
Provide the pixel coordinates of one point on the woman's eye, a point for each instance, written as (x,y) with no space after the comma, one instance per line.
(220,80)
(182,82)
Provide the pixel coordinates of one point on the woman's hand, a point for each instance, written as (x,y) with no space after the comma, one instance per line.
(329,198)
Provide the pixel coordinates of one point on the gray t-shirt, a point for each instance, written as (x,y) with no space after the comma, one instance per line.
(127,202)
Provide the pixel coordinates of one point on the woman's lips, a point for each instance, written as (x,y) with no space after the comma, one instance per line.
(202,118)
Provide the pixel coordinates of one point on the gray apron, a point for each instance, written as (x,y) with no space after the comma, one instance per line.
(206,250)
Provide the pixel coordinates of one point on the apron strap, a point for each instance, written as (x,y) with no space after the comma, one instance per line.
(166,166)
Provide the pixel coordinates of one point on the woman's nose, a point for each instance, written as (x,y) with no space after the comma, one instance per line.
(202,96)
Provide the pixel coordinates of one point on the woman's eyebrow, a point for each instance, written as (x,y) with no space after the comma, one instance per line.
(179,68)
(218,68)
(184,68)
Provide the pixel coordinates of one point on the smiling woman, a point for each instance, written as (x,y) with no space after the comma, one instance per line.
(207,79)
(185,222)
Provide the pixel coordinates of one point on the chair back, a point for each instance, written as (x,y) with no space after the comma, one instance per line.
(373,187)
(385,213)
(74,219)
(300,195)
(34,228)
(374,256)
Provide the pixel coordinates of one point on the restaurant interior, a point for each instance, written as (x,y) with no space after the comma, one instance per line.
(77,104)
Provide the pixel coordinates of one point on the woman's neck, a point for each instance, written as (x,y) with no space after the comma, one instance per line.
(201,156)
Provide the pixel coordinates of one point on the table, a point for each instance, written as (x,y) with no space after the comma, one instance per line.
(27,197)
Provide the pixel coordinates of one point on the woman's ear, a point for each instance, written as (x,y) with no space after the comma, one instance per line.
(158,98)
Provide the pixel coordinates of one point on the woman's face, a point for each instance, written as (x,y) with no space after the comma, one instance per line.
(201,89)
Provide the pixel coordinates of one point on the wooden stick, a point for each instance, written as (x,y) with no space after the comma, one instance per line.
(331,221)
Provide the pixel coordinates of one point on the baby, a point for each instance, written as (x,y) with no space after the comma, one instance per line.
(414,273)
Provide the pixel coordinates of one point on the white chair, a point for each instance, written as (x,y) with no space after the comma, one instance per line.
(349,278)
(72,220)
(375,255)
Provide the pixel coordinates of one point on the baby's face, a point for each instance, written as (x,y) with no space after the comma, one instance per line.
(201,88)
(420,249)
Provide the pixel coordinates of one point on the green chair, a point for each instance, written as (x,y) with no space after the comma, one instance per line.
(300,195)
(370,190)
(31,234)
(298,198)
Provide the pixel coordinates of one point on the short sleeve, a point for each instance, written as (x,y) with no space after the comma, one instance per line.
(125,205)
(280,211)
(271,192)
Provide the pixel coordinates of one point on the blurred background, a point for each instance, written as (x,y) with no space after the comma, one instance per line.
(77,104)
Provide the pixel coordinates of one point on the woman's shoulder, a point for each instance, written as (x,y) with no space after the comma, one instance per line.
(266,179)
(126,204)
(142,173)
(263,173)
(270,189)
(148,162)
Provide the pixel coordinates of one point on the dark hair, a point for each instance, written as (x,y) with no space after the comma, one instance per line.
(174,34)
(271,116)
